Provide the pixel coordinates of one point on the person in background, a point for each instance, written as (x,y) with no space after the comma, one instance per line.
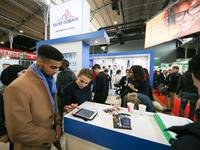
(96,70)
(123,84)
(161,77)
(188,136)
(65,77)
(161,81)
(147,79)
(106,71)
(101,85)
(139,84)
(31,114)
(172,82)
(110,73)
(188,92)
(7,76)
(155,80)
(77,91)
(117,77)
(165,73)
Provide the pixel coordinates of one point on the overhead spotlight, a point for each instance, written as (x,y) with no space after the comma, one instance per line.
(2,42)
(115,22)
(21,31)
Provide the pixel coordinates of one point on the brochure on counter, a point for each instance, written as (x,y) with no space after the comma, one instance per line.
(122,121)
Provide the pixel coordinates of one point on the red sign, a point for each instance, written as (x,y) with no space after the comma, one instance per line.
(13,53)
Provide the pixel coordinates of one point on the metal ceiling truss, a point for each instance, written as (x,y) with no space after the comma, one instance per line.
(24,8)
(21,23)
(134,30)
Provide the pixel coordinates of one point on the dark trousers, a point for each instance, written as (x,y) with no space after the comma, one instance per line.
(192,98)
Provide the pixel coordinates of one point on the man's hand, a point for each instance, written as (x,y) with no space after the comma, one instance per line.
(58,132)
(198,104)
(69,108)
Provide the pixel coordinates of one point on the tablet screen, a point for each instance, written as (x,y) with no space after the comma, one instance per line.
(85,113)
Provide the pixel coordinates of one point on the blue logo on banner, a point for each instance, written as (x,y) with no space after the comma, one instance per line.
(66,18)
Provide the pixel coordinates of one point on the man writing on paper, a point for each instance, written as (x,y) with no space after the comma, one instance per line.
(30,105)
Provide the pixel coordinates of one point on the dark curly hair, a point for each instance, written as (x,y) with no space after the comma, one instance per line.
(137,72)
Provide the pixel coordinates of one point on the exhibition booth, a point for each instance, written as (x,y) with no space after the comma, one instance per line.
(69,33)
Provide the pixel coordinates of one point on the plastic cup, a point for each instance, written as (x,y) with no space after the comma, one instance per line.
(142,108)
(130,106)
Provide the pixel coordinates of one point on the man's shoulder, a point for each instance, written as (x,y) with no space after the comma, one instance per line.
(24,80)
(19,82)
(71,85)
(102,74)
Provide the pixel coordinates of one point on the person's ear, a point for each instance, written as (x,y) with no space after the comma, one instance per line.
(40,62)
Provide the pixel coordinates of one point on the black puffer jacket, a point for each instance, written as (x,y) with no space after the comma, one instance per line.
(185,83)
(172,81)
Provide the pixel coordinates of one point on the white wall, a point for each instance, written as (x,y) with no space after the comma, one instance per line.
(72,47)
(166,51)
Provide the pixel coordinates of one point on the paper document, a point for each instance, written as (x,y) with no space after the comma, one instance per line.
(165,121)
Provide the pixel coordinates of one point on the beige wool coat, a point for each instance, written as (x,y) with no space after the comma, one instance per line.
(28,113)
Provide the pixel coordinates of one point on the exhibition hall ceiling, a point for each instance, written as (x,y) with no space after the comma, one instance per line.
(25,18)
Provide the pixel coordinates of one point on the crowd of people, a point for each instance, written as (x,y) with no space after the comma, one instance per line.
(172,85)
(32,103)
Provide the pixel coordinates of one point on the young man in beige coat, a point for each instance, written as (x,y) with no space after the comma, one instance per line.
(31,114)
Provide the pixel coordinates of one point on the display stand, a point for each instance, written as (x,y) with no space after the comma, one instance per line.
(76,48)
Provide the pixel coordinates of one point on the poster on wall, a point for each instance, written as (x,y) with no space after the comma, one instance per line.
(123,62)
(177,20)
(71,57)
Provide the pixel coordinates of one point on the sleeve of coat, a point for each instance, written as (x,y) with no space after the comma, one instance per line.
(67,96)
(19,122)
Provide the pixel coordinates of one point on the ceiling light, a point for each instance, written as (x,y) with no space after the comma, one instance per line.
(115,22)
(21,31)
(2,42)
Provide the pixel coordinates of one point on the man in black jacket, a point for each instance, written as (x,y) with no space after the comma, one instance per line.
(101,83)
(65,77)
(188,93)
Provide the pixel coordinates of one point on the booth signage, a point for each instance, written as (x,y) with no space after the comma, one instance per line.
(68,19)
